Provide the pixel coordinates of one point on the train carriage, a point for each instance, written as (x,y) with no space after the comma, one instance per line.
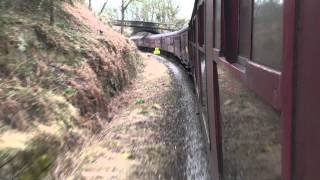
(255,69)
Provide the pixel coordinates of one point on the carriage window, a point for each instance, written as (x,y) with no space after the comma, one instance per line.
(267,33)
(201,26)
(218,24)
(190,35)
(250,132)
(245,28)
(194,33)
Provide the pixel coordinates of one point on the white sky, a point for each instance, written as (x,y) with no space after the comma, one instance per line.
(186,6)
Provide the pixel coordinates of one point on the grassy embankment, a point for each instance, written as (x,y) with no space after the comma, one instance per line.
(56,83)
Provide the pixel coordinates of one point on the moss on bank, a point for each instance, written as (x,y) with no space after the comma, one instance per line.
(56,83)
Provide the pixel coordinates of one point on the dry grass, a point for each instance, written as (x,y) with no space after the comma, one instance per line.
(57,81)
(128,146)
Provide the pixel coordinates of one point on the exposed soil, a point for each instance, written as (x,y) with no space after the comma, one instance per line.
(138,143)
(250,133)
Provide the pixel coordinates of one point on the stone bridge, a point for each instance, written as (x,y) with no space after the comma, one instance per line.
(142,26)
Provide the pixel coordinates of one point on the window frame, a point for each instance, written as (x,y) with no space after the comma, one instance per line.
(243,59)
(263,80)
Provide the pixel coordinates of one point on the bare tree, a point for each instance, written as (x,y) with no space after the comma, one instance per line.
(124,6)
(90,4)
(52,6)
(51,12)
(103,7)
(163,12)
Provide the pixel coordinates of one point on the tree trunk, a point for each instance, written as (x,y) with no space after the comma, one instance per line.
(90,5)
(122,15)
(51,12)
(122,20)
(124,6)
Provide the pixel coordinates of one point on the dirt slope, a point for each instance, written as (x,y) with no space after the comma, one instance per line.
(56,83)
(144,141)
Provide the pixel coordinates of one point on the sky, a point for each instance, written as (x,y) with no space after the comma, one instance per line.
(186,6)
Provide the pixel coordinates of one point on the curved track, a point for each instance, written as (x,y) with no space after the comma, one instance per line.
(194,146)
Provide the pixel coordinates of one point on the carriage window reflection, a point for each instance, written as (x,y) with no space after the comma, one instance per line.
(267,33)
(218,24)
(245,28)
(250,132)
(201,26)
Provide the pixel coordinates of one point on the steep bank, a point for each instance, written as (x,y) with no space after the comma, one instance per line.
(56,83)
(156,133)
(144,141)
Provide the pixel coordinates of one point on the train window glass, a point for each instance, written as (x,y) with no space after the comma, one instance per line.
(186,43)
(218,24)
(203,72)
(201,26)
(177,46)
(194,33)
(231,30)
(250,132)
(245,28)
(204,98)
(158,43)
(190,38)
(267,33)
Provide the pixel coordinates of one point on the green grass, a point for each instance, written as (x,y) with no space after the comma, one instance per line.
(144,112)
(140,101)
(69,91)
(27,69)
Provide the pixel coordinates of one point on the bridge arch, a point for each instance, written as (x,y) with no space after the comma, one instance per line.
(141,26)
(138,30)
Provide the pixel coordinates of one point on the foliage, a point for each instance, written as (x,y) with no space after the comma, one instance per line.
(55,80)
(140,101)
(159,11)
(26,69)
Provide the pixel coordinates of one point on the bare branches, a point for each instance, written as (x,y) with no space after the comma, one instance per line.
(103,7)
(163,12)
(124,5)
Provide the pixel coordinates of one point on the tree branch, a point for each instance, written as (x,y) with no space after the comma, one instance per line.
(103,7)
(126,5)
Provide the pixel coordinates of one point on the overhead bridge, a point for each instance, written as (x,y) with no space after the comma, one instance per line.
(142,26)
